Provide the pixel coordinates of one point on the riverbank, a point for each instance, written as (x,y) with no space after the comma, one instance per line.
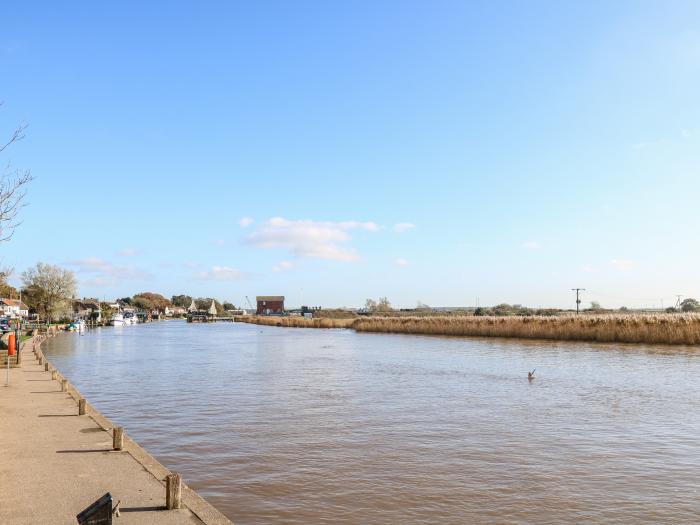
(57,462)
(670,329)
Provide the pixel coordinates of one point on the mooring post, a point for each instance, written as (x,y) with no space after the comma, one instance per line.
(81,407)
(54,375)
(173,491)
(117,438)
(64,383)
(41,361)
(46,366)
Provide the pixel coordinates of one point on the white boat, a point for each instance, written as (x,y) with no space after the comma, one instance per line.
(130,318)
(117,320)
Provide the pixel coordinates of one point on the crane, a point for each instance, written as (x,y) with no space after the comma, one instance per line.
(250,305)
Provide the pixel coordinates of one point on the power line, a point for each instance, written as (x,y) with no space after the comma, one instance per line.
(578,301)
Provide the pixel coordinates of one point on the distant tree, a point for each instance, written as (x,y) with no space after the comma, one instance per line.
(126,300)
(13,183)
(229,306)
(690,305)
(150,301)
(421,306)
(370,305)
(181,300)
(106,310)
(383,305)
(204,303)
(49,289)
(479,311)
(624,309)
(6,290)
(671,310)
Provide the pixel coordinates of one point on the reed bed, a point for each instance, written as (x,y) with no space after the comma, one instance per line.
(671,329)
(296,322)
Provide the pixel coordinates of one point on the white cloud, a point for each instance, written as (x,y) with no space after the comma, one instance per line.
(401,262)
(222,273)
(530,245)
(220,242)
(284,265)
(403,226)
(245,222)
(128,252)
(307,238)
(105,273)
(622,264)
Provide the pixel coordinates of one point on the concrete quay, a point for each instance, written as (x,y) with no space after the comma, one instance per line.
(54,462)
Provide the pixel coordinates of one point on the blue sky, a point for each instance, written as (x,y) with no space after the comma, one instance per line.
(432,151)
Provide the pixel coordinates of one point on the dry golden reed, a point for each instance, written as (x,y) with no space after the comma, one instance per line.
(674,329)
(296,322)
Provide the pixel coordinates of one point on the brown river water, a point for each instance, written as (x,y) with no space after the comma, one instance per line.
(290,426)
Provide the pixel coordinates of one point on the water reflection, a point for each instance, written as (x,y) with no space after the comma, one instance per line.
(304,426)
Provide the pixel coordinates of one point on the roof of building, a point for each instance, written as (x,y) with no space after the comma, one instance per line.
(270,298)
(14,302)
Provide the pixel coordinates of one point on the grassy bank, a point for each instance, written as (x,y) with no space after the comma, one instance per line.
(674,329)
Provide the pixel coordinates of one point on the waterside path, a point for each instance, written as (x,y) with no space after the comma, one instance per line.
(54,463)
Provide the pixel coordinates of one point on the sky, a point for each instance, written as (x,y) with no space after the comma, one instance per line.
(443,152)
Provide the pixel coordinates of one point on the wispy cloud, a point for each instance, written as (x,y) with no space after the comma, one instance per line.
(530,245)
(222,273)
(244,222)
(284,265)
(401,262)
(128,252)
(622,264)
(403,226)
(219,242)
(104,273)
(307,238)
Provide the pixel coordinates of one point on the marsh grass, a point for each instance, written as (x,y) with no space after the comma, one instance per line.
(672,329)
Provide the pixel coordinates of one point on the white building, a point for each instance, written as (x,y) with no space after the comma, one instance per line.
(13,308)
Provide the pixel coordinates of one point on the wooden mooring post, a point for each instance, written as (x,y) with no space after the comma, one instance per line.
(81,407)
(118,438)
(173,491)
(64,385)
(46,366)
(54,375)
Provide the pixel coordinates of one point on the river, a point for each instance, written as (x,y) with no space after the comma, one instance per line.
(291,426)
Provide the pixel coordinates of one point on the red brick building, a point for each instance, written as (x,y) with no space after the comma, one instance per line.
(270,304)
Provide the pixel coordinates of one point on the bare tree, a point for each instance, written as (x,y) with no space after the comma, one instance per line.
(13,183)
(49,289)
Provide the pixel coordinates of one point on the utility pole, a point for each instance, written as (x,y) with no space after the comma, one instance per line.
(678,302)
(578,301)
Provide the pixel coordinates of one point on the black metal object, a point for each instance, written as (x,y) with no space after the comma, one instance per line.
(99,513)
(17,332)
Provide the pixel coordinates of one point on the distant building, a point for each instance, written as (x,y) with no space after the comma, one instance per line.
(171,311)
(86,308)
(270,304)
(13,308)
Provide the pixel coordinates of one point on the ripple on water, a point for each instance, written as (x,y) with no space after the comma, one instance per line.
(308,426)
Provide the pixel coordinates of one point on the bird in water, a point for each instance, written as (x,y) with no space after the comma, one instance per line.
(531,375)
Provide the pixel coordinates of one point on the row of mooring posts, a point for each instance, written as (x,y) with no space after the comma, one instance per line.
(173,482)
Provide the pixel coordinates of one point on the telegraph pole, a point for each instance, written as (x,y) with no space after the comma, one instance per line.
(578,301)
(678,303)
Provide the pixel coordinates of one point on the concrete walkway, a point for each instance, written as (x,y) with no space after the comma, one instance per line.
(54,463)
